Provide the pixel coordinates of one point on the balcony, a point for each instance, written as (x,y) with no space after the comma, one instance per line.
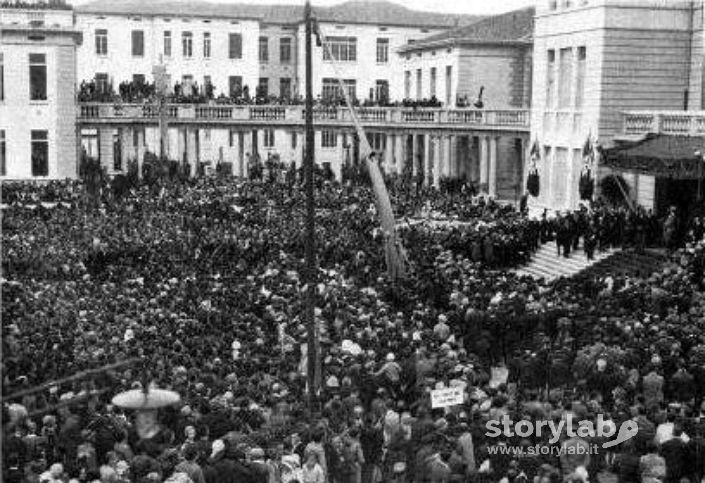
(690,123)
(394,117)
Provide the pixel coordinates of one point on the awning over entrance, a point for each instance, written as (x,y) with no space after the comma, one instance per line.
(658,155)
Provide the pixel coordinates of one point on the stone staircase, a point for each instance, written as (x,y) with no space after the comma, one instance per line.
(629,262)
(548,265)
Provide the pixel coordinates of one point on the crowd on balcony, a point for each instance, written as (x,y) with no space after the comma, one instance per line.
(202,281)
(141,91)
(40,5)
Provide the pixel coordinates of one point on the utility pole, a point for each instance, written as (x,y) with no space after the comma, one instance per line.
(701,161)
(161,87)
(314,363)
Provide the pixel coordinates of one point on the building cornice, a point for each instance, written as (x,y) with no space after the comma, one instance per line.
(456,42)
(611,6)
(77,35)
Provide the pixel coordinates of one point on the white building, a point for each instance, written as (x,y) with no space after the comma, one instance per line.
(238,45)
(487,64)
(233,46)
(251,45)
(492,55)
(38,92)
(596,59)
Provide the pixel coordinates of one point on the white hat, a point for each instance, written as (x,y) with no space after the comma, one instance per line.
(217,446)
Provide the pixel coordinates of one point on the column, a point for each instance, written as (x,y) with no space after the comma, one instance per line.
(340,147)
(247,147)
(437,162)
(105,148)
(139,137)
(183,142)
(484,161)
(414,156)
(399,152)
(453,157)
(389,154)
(447,148)
(191,154)
(492,175)
(125,147)
(428,160)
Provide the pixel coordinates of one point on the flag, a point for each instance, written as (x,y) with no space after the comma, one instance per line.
(588,150)
(535,150)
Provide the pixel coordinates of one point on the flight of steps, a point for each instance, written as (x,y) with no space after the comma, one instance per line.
(629,262)
(546,264)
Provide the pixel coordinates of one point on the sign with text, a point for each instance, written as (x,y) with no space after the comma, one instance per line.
(443,398)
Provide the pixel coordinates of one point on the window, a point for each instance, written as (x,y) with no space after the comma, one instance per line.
(167,43)
(293,140)
(285,50)
(550,79)
(382,90)
(407,84)
(269,138)
(187,45)
(382,51)
(285,87)
(37,77)
(433,82)
(580,78)
(137,43)
(552,4)
(2,77)
(263,87)
(235,85)
(235,46)
(206,82)
(329,139)
(187,85)
(102,83)
(264,49)
(331,89)
(3,153)
(419,84)
(342,49)
(231,137)
(449,83)
(206,45)
(101,42)
(565,78)
(40,153)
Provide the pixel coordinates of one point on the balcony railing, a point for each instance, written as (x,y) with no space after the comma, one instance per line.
(517,119)
(665,122)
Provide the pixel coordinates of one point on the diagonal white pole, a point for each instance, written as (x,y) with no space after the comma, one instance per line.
(395,259)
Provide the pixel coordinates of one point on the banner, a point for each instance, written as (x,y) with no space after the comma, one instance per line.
(443,398)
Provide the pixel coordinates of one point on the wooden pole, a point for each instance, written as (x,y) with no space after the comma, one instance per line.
(313,369)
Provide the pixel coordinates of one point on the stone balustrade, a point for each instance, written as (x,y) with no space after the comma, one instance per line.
(108,113)
(690,123)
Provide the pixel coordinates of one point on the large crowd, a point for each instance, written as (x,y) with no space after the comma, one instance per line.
(142,91)
(202,285)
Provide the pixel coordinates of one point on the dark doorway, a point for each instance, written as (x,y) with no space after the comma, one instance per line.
(681,193)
